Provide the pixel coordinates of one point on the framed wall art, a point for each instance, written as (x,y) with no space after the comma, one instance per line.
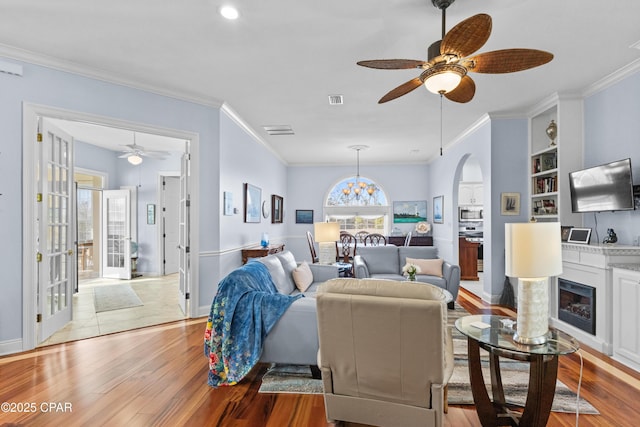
(510,204)
(304,216)
(228,203)
(252,199)
(277,206)
(410,212)
(438,209)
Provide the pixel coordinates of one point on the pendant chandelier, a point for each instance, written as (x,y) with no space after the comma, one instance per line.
(358,187)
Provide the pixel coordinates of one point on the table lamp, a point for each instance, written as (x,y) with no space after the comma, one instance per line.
(326,234)
(533,254)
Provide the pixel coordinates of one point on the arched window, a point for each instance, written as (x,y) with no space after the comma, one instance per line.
(358,204)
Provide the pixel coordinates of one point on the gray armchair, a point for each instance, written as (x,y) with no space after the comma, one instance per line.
(386,352)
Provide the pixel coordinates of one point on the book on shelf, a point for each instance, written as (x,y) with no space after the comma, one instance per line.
(547,184)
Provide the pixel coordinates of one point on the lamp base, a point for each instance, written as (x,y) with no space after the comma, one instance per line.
(533,311)
(327,253)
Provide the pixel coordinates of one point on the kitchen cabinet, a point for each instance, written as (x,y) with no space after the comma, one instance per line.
(468,259)
(470,193)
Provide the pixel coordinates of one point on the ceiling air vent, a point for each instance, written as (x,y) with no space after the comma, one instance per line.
(278,130)
(336,100)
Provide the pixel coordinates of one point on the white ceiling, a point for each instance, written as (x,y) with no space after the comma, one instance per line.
(278,63)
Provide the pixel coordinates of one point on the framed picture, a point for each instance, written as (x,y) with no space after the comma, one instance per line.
(438,209)
(413,211)
(228,203)
(510,204)
(151,214)
(304,216)
(276,209)
(564,232)
(252,198)
(579,235)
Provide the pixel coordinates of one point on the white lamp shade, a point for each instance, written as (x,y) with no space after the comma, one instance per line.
(326,231)
(533,250)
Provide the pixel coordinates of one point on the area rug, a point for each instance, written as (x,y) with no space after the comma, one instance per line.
(515,378)
(115,297)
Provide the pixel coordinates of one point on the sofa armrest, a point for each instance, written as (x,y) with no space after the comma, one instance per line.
(451,274)
(360,269)
(323,272)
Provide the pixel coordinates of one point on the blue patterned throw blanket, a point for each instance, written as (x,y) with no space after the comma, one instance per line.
(243,312)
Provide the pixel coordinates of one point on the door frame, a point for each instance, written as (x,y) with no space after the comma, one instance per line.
(30,114)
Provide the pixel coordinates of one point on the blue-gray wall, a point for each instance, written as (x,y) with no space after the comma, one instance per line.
(230,156)
(612,132)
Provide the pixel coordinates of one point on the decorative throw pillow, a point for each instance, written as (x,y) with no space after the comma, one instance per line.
(432,267)
(302,276)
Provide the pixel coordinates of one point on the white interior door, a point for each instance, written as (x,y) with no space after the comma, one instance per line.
(116,234)
(184,267)
(171,223)
(56,239)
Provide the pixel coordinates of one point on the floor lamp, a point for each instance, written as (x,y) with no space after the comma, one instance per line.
(326,234)
(533,254)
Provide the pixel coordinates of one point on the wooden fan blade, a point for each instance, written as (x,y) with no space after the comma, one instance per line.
(403,89)
(507,60)
(467,37)
(392,64)
(464,92)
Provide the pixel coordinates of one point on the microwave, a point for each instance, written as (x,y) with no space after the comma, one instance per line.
(469,213)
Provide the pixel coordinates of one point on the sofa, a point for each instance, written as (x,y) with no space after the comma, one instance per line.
(294,338)
(386,262)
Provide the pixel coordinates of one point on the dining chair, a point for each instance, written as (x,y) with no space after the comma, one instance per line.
(407,240)
(360,235)
(375,239)
(312,247)
(347,249)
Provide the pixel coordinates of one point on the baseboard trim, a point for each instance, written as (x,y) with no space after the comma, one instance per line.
(10,346)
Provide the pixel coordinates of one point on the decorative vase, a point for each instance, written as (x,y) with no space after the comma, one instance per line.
(411,278)
(264,241)
(552,132)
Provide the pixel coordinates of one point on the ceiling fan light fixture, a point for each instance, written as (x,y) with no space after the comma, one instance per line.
(134,159)
(443,78)
(229,12)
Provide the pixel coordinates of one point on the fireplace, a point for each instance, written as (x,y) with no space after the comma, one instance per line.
(577,305)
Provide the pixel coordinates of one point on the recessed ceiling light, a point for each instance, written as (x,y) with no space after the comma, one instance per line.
(229,12)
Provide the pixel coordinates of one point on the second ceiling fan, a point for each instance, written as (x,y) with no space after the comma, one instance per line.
(446,70)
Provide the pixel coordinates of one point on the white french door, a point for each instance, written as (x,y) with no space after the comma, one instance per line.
(184,255)
(55,240)
(116,234)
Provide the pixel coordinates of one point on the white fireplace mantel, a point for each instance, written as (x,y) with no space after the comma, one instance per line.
(591,266)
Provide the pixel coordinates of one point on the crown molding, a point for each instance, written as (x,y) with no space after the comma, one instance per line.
(102,75)
(613,78)
(231,113)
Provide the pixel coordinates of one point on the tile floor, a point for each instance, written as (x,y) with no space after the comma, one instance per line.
(158,294)
(474,287)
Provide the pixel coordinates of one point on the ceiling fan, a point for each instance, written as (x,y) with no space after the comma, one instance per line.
(135,152)
(446,70)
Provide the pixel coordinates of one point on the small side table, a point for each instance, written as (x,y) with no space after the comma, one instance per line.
(497,339)
(345,269)
(259,251)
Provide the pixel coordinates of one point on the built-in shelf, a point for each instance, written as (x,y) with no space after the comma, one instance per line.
(550,163)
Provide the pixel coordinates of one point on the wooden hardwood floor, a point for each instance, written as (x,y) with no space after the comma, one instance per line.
(157,376)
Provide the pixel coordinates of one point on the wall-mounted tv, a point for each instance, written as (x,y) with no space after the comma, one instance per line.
(607,187)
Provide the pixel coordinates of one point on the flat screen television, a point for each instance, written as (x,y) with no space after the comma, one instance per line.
(607,187)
